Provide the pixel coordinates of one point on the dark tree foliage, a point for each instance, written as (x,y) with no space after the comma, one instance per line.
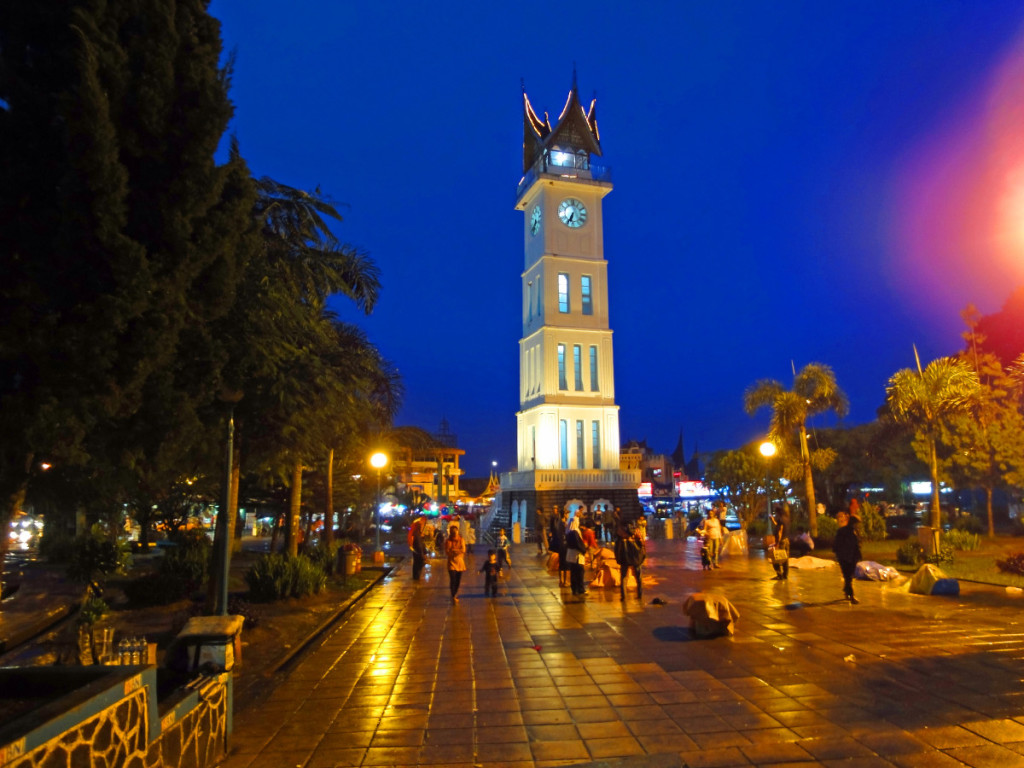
(122,237)
(1002,332)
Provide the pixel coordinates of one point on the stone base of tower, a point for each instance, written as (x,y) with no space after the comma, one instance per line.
(522,493)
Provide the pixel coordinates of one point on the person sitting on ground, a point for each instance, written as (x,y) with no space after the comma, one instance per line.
(802,544)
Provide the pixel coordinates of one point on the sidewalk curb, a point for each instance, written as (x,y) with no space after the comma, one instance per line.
(285,661)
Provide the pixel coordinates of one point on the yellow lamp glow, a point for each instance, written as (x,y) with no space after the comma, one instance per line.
(768,449)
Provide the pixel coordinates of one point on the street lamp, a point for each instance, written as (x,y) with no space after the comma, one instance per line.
(378,461)
(768,450)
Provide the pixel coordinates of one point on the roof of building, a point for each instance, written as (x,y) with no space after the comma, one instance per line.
(575,129)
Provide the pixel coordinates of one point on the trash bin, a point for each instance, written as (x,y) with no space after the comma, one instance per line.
(348,562)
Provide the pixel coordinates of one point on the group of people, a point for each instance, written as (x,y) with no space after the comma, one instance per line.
(846,545)
(574,538)
(455,547)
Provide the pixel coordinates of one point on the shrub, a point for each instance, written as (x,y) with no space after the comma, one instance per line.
(189,562)
(1013,564)
(275,576)
(56,546)
(969,524)
(325,555)
(961,539)
(92,610)
(827,527)
(95,555)
(308,578)
(944,555)
(872,522)
(909,553)
(155,589)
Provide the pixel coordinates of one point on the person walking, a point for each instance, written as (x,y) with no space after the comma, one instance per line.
(780,555)
(630,553)
(491,571)
(455,549)
(847,549)
(542,523)
(418,547)
(710,529)
(558,532)
(575,552)
(504,558)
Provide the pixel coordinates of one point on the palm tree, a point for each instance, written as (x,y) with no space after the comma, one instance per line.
(814,391)
(924,399)
(296,265)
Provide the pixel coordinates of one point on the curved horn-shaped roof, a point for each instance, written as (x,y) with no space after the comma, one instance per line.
(574,130)
(535,131)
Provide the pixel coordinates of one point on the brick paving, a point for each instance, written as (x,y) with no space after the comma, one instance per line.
(532,678)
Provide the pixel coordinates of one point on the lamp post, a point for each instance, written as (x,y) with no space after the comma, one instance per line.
(378,461)
(768,450)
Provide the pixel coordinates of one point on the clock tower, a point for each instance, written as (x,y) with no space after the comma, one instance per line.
(567,426)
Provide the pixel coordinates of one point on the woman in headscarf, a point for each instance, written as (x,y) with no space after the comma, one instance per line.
(575,552)
(455,549)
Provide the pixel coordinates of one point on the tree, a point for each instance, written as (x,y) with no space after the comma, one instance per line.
(740,477)
(277,325)
(814,391)
(122,236)
(878,453)
(986,443)
(1002,332)
(925,399)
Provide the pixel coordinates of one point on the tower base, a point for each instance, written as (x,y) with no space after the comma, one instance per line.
(522,493)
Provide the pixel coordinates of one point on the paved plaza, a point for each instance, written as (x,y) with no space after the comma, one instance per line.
(532,679)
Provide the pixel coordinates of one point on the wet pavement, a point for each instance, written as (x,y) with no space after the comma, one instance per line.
(531,678)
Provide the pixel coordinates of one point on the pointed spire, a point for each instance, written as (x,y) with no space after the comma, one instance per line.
(679,455)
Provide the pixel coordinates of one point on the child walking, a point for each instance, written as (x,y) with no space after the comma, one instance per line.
(491,570)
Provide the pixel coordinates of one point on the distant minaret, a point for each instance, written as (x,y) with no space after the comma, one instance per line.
(568,422)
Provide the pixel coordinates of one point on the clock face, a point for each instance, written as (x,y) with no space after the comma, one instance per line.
(535,220)
(572,212)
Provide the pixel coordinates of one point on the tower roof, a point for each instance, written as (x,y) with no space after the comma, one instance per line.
(575,129)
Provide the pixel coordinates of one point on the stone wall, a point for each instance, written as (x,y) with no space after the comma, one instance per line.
(115,721)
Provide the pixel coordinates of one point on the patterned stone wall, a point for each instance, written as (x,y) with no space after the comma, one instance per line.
(193,734)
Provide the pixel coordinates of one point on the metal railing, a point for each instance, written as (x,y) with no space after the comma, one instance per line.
(569,165)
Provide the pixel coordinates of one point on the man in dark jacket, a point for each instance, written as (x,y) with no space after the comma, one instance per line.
(847,549)
(630,552)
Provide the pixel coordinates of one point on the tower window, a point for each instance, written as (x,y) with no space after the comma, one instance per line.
(595,439)
(593,370)
(563,444)
(586,302)
(563,292)
(581,453)
(562,383)
(577,366)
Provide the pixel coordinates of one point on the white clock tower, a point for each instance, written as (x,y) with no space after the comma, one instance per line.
(568,423)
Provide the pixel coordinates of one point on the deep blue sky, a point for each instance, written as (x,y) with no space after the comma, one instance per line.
(794,181)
